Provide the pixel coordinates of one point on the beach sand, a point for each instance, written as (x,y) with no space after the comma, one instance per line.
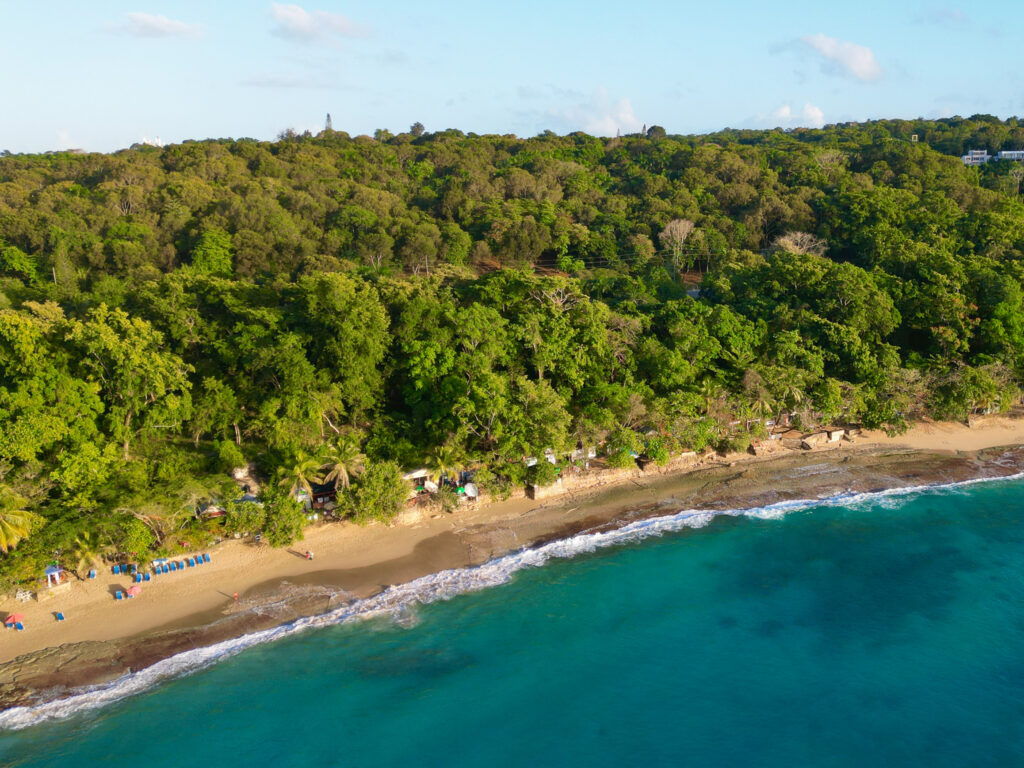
(102,637)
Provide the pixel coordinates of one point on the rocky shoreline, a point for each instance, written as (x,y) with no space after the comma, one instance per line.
(56,672)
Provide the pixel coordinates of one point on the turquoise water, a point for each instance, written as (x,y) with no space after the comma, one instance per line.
(885,631)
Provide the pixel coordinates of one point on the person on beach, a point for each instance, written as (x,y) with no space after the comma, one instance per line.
(236,597)
(309,555)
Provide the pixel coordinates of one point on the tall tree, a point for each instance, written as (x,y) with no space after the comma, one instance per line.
(16,522)
(344,459)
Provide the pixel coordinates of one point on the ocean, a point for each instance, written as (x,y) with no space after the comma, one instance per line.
(882,629)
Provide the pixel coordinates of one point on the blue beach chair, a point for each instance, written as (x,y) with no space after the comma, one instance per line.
(145,577)
(206,558)
(60,616)
(118,595)
(116,569)
(135,568)
(174,566)
(19,626)
(191,562)
(92,573)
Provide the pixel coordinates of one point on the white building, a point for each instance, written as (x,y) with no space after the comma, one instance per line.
(976,157)
(980,156)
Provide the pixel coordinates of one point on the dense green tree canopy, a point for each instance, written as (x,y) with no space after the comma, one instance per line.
(334,308)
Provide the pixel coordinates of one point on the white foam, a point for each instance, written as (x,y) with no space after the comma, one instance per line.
(398,600)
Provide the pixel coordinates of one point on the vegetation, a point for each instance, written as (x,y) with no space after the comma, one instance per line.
(333,308)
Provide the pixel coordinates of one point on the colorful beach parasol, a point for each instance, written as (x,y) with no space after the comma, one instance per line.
(14,618)
(134,590)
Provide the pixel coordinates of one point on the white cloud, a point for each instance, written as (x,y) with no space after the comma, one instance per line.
(943,16)
(857,61)
(785,117)
(812,116)
(148,25)
(598,115)
(293,22)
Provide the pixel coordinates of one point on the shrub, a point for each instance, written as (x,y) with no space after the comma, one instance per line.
(378,494)
(542,473)
(447,499)
(621,446)
(657,451)
(135,538)
(229,456)
(245,517)
(285,519)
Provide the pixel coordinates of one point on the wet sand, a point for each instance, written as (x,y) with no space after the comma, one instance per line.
(102,639)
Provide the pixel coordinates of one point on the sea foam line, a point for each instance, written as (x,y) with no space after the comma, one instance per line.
(442,585)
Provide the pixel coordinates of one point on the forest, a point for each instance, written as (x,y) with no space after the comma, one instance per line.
(336,309)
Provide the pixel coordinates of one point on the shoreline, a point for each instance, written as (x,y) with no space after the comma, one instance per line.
(103,639)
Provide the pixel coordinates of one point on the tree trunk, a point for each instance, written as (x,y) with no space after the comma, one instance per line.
(127,433)
(238,434)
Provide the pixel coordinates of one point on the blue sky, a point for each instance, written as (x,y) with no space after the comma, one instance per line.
(102,75)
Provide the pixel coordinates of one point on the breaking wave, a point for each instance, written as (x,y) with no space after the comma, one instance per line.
(400,601)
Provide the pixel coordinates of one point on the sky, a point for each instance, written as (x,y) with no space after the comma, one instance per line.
(102,75)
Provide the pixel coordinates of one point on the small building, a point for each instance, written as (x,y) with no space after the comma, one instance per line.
(976,157)
(54,575)
(419,479)
(325,496)
(417,476)
(211,510)
(1017,155)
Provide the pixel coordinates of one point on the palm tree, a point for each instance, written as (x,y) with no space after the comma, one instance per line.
(86,553)
(445,460)
(302,475)
(710,392)
(16,522)
(343,461)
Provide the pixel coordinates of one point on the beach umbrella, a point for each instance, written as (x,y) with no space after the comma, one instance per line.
(134,590)
(14,618)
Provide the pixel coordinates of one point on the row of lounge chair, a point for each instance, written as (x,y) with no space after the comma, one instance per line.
(176,565)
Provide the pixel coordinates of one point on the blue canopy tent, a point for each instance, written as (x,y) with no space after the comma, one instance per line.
(54,575)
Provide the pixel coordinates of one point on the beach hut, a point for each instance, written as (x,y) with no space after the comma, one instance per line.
(54,575)
(325,496)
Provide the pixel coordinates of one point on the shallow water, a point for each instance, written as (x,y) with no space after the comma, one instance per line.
(885,629)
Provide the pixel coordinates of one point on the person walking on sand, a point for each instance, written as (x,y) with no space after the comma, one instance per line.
(309,555)
(236,597)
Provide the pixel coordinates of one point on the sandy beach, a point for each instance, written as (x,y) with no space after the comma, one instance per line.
(184,609)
